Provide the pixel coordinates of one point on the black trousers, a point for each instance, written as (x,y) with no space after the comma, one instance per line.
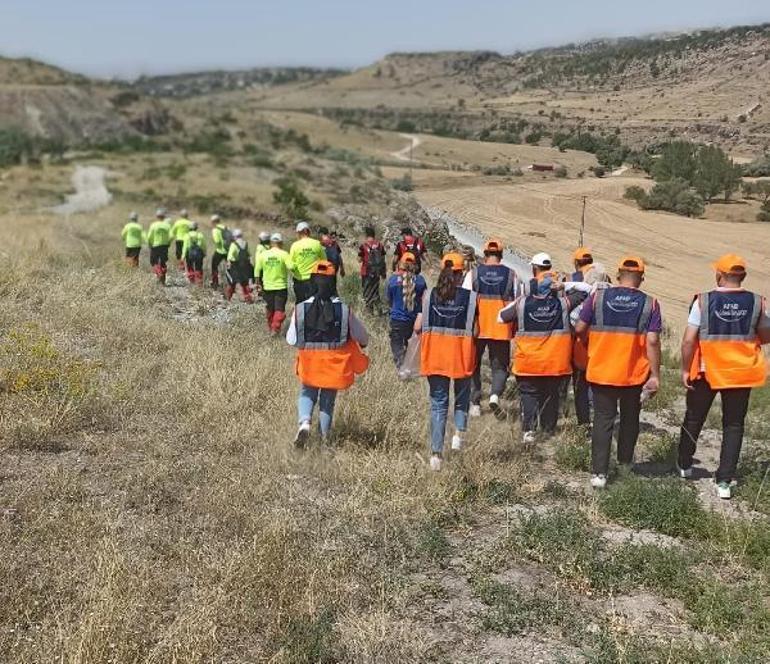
(582,396)
(607,399)
(499,362)
(216,260)
(275,300)
(133,252)
(400,333)
(370,288)
(539,397)
(178,245)
(159,256)
(195,264)
(303,290)
(735,405)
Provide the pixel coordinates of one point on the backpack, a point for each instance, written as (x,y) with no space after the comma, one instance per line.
(375,263)
(227,238)
(194,252)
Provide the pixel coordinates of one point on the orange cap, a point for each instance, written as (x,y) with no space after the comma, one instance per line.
(407,257)
(493,247)
(730,264)
(324,267)
(582,253)
(453,260)
(631,264)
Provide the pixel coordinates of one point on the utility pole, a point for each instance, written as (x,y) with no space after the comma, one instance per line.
(583,222)
(411,163)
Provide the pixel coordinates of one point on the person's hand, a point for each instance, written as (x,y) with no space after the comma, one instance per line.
(652,385)
(686,380)
(557,285)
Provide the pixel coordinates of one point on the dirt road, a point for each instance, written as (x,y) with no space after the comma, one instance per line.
(404,154)
(91,192)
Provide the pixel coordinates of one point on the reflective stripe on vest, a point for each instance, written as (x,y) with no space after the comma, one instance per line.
(729,353)
(547,349)
(617,348)
(302,344)
(449,349)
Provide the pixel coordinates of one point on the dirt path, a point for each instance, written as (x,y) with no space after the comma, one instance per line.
(404,154)
(91,192)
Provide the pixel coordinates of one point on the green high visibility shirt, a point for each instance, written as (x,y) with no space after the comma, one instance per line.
(304,254)
(219,240)
(260,248)
(272,267)
(180,229)
(193,238)
(159,234)
(133,235)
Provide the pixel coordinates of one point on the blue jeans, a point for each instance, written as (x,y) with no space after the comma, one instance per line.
(439,408)
(308,396)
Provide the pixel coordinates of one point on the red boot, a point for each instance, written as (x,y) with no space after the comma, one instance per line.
(247,296)
(229,290)
(277,322)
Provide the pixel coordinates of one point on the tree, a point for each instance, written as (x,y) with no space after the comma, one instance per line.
(674,195)
(764,213)
(715,173)
(677,160)
(15,145)
(291,198)
(635,193)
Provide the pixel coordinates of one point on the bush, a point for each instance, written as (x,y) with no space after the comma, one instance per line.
(561,172)
(674,196)
(403,183)
(291,198)
(599,171)
(15,145)
(764,212)
(635,193)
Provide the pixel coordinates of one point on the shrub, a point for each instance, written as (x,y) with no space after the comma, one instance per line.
(635,193)
(403,183)
(764,212)
(674,196)
(291,198)
(561,172)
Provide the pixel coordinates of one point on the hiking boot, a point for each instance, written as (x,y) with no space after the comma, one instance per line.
(598,481)
(475,410)
(528,438)
(684,473)
(435,462)
(724,490)
(303,434)
(457,442)
(494,405)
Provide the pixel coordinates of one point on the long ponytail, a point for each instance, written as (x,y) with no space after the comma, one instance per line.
(446,287)
(408,287)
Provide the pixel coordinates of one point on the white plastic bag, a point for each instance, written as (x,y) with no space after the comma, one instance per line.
(410,367)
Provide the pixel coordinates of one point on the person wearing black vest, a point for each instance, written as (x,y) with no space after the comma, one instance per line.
(239,270)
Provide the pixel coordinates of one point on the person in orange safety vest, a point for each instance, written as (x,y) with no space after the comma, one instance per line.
(623,326)
(329,339)
(722,353)
(496,286)
(448,326)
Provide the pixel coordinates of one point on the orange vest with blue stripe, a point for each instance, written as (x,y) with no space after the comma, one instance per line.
(729,353)
(447,346)
(617,337)
(331,359)
(543,337)
(496,287)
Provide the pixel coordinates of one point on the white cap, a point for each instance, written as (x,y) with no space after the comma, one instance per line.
(541,260)
(160,212)
(215,217)
(183,213)
(133,216)
(264,236)
(303,226)
(193,225)
(276,237)
(237,233)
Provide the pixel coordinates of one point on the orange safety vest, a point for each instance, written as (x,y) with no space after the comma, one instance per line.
(331,362)
(448,347)
(617,338)
(729,353)
(543,337)
(496,287)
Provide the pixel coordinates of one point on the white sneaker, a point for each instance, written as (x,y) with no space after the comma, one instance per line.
(435,462)
(598,481)
(685,473)
(494,404)
(303,433)
(528,438)
(724,490)
(475,411)
(457,442)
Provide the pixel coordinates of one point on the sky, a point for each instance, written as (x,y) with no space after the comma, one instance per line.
(127,38)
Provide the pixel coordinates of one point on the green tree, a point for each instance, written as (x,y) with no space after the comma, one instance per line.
(677,160)
(15,146)
(715,174)
(676,196)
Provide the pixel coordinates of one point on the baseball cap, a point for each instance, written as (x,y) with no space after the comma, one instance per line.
(731,264)
(541,260)
(453,260)
(160,212)
(215,217)
(276,237)
(324,267)
(493,247)
(183,212)
(133,216)
(582,254)
(237,233)
(264,236)
(303,226)
(407,257)
(631,264)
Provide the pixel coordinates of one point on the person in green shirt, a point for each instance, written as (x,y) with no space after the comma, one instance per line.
(221,238)
(159,239)
(239,267)
(133,238)
(271,272)
(264,244)
(304,254)
(193,253)
(178,232)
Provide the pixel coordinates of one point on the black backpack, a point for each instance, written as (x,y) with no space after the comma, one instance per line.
(375,264)
(227,238)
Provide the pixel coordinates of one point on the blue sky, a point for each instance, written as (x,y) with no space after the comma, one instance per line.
(132,37)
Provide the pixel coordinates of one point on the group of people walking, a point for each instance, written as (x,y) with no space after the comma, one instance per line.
(547,331)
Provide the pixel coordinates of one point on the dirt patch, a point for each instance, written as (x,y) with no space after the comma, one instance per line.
(91,192)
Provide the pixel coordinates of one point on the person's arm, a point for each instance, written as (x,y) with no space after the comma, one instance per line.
(576,286)
(232,254)
(653,356)
(508,314)
(123,233)
(358,331)
(763,327)
(584,322)
(689,346)
(418,320)
(185,246)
